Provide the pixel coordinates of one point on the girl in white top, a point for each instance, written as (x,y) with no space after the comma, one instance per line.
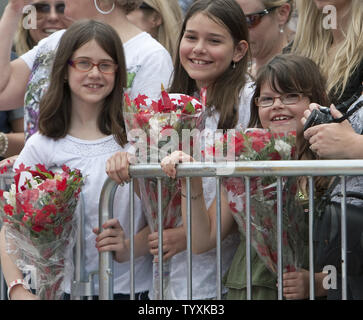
(212,54)
(148,63)
(81,125)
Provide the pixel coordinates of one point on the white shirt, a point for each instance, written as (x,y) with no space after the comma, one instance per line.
(90,157)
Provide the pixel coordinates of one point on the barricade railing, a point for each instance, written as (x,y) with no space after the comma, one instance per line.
(246,169)
(83,284)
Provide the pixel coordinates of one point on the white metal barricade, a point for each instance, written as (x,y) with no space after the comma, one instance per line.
(244,169)
(83,284)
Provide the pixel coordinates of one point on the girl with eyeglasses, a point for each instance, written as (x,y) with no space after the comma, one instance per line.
(26,79)
(268,26)
(284,88)
(80,125)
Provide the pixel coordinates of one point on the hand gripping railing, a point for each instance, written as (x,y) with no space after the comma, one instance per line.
(246,169)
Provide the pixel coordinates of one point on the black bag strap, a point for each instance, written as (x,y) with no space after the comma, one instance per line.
(349,113)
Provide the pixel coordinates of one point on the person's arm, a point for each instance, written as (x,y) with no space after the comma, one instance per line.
(15,74)
(204,222)
(16,138)
(334,140)
(112,238)
(11,272)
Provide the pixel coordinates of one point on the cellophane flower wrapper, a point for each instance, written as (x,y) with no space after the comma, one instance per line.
(156,129)
(263,145)
(41,224)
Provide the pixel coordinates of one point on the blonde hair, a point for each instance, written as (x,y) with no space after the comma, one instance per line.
(312,40)
(23,42)
(169,30)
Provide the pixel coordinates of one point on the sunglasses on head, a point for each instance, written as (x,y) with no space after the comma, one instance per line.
(254,19)
(43,7)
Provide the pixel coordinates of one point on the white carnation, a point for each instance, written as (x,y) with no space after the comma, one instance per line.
(283,148)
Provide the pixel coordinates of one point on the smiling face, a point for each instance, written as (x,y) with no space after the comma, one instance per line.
(266,35)
(93,86)
(49,22)
(279,115)
(207,49)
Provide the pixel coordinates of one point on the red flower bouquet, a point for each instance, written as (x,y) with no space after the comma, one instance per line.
(38,213)
(255,145)
(156,129)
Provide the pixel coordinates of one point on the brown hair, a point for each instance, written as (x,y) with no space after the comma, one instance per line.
(287,73)
(55,106)
(224,93)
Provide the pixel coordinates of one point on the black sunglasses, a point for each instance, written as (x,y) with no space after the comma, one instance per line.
(144,5)
(254,19)
(43,7)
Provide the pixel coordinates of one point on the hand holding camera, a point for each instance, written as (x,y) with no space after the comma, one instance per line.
(334,138)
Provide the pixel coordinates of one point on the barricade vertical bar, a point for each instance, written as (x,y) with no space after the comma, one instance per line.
(160,249)
(344,238)
(79,252)
(105,258)
(219,256)
(279,238)
(248,239)
(189,241)
(311,239)
(2,287)
(132,244)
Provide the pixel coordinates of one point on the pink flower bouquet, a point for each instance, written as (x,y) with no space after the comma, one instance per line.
(156,129)
(258,145)
(38,213)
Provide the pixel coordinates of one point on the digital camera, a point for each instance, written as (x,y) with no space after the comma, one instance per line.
(323,115)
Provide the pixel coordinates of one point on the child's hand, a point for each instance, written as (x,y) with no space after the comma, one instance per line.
(117,167)
(8,162)
(174,241)
(112,238)
(296,285)
(168,164)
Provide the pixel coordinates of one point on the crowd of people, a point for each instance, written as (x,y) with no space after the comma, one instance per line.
(259,71)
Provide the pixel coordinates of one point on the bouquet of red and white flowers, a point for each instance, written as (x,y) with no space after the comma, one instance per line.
(257,145)
(38,213)
(156,129)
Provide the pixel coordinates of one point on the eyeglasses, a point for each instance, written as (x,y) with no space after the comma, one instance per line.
(287,99)
(86,65)
(44,8)
(254,19)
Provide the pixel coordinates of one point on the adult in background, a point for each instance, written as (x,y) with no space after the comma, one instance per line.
(162,19)
(50,18)
(268,26)
(333,38)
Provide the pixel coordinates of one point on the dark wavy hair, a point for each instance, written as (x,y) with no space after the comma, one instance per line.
(55,106)
(224,93)
(287,73)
